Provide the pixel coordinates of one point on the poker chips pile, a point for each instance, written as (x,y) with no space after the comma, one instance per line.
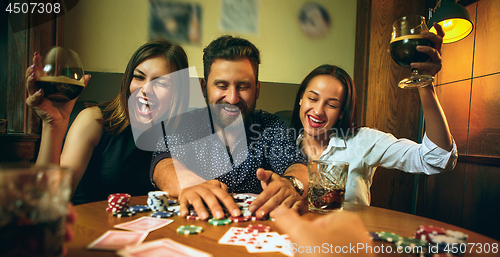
(429,239)
(442,239)
(118,202)
(243,201)
(158,201)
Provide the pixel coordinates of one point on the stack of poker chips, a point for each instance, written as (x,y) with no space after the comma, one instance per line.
(118,202)
(430,239)
(442,239)
(158,201)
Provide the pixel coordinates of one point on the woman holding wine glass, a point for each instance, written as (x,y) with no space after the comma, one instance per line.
(325,114)
(99,146)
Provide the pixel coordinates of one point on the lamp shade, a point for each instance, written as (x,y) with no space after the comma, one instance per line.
(455,20)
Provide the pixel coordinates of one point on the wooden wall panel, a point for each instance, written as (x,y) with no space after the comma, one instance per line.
(487,50)
(389,108)
(455,98)
(484,130)
(361,58)
(17,54)
(443,196)
(482,198)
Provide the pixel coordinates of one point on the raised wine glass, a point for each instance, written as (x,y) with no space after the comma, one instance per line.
(403,48)
(61,76)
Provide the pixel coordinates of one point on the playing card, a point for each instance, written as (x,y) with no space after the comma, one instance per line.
(144,224)
(238,236)
(267,242)
(114,240)
(160,248)
(287,250)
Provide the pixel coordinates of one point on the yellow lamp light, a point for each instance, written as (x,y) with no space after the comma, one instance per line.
(455,20)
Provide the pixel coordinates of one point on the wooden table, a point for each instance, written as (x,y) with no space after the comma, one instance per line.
(93,221)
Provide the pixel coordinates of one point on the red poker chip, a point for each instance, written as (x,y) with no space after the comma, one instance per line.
(240,218)
(192,217)
(259,228)
(423,233)
(118,202)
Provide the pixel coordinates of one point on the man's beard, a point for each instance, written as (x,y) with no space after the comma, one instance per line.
(222,119)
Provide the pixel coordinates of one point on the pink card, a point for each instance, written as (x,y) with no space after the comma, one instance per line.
(114,240)
(144,224)
(160,248)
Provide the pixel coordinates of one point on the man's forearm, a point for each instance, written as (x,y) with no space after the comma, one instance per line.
(172,176)
(165,177)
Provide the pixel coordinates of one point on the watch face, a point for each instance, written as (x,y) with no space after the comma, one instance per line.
(314,20)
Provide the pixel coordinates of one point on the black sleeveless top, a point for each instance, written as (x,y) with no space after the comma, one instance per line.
(116,166)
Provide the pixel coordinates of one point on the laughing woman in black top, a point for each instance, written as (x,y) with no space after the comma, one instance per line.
(100,146)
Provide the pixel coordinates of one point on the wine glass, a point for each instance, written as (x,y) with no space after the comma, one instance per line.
(61,76)
(403,48)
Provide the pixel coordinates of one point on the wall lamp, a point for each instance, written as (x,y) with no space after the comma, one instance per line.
(454,18)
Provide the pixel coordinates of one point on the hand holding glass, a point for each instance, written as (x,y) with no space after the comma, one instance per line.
(327,181)
(403,48)
(61,74)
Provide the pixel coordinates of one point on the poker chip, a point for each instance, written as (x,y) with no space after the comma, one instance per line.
(139,208)
(374,236)
(174,209)
(444,242)
(219,222)
(120,214)
(405,242)
(457,234)
(240,218)
(118,202)
(424,231)
(189,229)
(444,239)
(389,237)
(162,214)
(259,228)
(254,218)
(158,200)
(192,217)
(246,213)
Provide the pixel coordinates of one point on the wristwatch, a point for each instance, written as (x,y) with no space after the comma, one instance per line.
(297,184)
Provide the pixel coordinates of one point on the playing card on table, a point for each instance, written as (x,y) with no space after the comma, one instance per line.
(144,224)
(114,240)
(238,236)
(160,248)
(268,242)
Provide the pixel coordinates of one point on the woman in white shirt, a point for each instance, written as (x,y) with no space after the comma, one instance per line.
(325,115)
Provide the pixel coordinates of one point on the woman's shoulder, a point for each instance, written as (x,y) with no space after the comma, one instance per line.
(93,112)
(88,124)
(366,134)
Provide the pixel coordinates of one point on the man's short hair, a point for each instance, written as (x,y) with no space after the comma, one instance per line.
(232,49)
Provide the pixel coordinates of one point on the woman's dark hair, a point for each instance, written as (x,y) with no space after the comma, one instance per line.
(115,112)
(349,112)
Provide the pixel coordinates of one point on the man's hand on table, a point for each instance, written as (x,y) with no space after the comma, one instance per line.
(211,193)
(276,191)
(338,228)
